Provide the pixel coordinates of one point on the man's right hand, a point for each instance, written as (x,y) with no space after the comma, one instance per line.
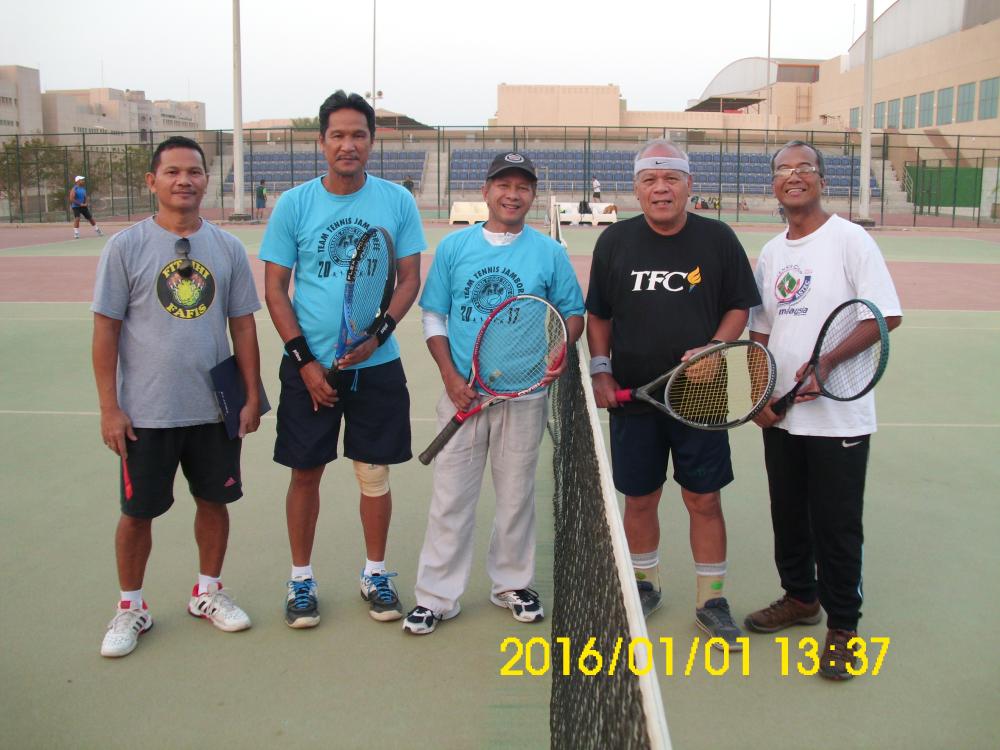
(766,416)
(462,395)
(115,427)
(604,386)
(314,376)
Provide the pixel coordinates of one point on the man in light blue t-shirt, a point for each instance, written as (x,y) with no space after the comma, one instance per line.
(312,234)
(473,271)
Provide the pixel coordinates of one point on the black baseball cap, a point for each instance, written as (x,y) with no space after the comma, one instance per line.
(511,160)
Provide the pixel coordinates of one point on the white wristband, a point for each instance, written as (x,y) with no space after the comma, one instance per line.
(599,365)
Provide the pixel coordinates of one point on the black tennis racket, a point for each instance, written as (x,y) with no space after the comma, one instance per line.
(720,387)
(520,341)
(850,355)
(370,282)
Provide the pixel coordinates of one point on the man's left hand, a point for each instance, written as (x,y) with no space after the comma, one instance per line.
(358,354)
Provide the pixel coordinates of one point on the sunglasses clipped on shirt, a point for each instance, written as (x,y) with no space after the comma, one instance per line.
(183,248)
(786,172)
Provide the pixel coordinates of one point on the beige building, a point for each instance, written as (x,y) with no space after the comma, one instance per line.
(20,101)
(114,116)
(936,71)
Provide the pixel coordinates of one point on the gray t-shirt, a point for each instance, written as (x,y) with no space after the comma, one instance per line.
(174,330)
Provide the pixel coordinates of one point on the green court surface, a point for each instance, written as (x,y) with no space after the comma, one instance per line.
(931,529)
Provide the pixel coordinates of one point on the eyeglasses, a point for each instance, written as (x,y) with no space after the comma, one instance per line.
(183,248)
(786,172)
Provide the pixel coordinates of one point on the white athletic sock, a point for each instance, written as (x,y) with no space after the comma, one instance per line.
(372,566)
(302,572)
(710,579)
(204,581)
(134,598)
(646,566)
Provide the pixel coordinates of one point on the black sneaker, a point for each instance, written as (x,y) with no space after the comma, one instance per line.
(301,605)
(381,595)
(650,598)
(714,618)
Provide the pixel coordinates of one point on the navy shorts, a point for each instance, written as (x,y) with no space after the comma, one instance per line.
(208,457)
(83,211)
(641,445)
(373,403)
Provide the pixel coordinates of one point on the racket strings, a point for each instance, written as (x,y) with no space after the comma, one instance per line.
(366,292)
(850,354)
(522,341)
(732,381)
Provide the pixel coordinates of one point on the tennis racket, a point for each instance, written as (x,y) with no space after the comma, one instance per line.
(722,386)
(851,353)
(523,338)
(370,282)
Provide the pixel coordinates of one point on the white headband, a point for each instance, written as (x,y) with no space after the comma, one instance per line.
(663,162)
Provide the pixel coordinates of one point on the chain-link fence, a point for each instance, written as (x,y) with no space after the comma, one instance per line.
(916,179)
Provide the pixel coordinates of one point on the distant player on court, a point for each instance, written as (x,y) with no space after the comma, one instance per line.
(474,270)
(596,188)
(79,203)
(817,452)
(166,290)
(664,285)
(260,199)
(313,231)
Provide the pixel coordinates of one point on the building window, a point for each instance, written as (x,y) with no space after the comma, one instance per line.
(927,109)
(945,99)
(910,111)
(855,117)
(879,115)
(892,118)
(989,92)
(965,109)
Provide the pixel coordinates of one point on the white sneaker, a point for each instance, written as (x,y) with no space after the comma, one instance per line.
(524,604)
(99,232)
(421,621)
(125,628)
(217,606)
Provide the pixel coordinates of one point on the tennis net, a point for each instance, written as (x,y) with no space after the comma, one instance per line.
(619,704)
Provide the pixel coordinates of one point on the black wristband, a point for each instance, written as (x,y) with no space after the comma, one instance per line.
(298,350)
(385,330)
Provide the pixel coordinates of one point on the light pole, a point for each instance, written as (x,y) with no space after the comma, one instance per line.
(238,213)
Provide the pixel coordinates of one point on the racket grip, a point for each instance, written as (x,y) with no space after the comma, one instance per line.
(624,395)
(440,441)
(780,406)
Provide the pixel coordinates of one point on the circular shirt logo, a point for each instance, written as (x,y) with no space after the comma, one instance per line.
(183,297)
(791,285)
(341,244)
(490,291)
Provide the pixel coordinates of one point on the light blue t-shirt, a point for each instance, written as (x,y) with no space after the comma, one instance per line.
(470,277)
(315,232)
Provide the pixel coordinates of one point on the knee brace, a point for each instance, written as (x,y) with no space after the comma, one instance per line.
(373,479)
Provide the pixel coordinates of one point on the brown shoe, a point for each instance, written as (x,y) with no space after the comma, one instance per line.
(836,656)
(783,614)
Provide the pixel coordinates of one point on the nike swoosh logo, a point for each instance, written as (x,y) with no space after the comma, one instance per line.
(849,445)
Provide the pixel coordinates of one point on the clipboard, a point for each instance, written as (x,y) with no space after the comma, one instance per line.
(231,396)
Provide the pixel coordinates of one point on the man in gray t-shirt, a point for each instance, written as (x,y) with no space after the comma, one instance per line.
(167,288)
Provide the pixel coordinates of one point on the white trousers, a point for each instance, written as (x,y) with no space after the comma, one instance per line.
(510,434)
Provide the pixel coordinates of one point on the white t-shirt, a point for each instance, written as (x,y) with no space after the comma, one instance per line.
(596,185)
(801,282)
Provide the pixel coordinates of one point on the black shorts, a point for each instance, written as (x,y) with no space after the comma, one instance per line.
(83,211)
(374,404)
(641,445)
(209,459)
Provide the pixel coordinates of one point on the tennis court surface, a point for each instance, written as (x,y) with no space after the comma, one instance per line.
(931,524)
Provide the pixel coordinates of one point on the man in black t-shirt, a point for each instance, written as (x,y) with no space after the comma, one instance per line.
(663,285)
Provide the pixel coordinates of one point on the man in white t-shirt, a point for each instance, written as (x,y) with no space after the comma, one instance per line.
(816,453)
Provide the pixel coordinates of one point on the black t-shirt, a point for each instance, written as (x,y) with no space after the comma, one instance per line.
(665,295)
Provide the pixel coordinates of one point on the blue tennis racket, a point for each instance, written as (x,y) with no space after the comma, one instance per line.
(370,282)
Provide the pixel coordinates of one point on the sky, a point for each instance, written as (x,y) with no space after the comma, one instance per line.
(439,62)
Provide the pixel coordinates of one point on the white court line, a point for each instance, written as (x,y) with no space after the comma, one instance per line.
(28,412)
